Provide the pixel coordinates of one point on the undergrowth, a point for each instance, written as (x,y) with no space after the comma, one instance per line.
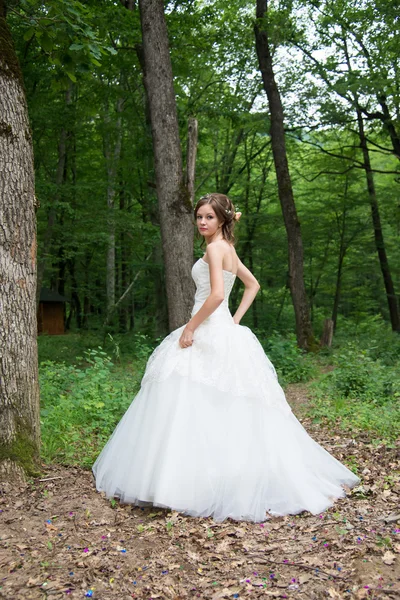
(291,363)
(82,404)
(362,391)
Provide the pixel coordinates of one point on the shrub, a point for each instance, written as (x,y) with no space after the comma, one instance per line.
(360,392)
(81,406)
(292,363)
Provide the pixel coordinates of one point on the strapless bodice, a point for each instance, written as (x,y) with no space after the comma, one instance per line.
(201,277)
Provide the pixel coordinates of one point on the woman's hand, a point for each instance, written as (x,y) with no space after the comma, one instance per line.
(186,338)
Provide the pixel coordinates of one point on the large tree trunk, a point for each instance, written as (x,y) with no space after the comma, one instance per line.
(304,333)
(19,389)
(174,202)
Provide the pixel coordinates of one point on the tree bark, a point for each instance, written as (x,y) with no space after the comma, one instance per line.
(191,152)
(19,389)
(176,216)
(327,334)
(304,333)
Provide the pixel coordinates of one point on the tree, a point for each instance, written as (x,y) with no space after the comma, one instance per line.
(175,208)
(305,337)
(360,86)
(19,388)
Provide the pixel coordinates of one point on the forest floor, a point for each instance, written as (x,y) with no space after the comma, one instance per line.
(60,538)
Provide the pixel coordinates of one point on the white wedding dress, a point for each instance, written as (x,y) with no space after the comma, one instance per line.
(210,432)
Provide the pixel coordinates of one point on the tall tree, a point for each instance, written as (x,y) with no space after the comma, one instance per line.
(304,333)
(380,245)
(175,208)
(19,389)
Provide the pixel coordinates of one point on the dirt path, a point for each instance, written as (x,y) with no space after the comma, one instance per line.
(60,538)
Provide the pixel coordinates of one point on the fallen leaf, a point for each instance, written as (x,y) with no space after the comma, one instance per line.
(388,558)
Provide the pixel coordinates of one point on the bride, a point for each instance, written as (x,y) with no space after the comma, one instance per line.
(210,432)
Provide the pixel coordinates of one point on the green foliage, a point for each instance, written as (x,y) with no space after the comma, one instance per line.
(82,406)
(292,364)
(361,391)
(371,335)
(73,102)
(123,348)
(66,32)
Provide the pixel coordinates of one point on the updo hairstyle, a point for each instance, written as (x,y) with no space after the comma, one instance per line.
(225,213)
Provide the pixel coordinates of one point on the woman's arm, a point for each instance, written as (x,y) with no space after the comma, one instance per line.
(251,288)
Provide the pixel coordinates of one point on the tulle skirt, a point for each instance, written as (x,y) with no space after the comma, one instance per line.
(210,434)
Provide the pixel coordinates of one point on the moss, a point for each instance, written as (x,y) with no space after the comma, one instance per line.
(5,129)
(185,198)
(23,451)
(182,201)
(9,66)
(312,344)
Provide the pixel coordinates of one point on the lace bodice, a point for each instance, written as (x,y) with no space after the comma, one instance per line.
(201,277)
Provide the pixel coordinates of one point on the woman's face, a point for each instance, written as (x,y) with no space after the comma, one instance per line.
(206,221)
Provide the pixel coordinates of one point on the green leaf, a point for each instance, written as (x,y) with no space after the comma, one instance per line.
(46,43)
(71,76)
(76,47)
(29,33)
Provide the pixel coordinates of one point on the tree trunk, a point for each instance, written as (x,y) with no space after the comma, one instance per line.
(327,334)
(378,233)
(304,333)
(392,300)
(123,314)
(191,152)
(75,300)
(176,211)
(112,156)
(19,388)
(335,309)
(342,252)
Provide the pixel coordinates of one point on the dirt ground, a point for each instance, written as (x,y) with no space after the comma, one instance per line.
(60,538)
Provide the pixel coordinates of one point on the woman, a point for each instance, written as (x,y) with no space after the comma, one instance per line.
(210,432)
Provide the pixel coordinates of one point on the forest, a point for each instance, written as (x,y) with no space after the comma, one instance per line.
(98,217)
(116,116)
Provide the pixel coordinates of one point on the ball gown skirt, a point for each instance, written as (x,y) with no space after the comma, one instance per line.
(210,432)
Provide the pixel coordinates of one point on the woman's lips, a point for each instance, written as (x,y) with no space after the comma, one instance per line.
(203,228)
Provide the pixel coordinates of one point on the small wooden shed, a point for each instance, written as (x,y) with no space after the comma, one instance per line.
(51,312)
